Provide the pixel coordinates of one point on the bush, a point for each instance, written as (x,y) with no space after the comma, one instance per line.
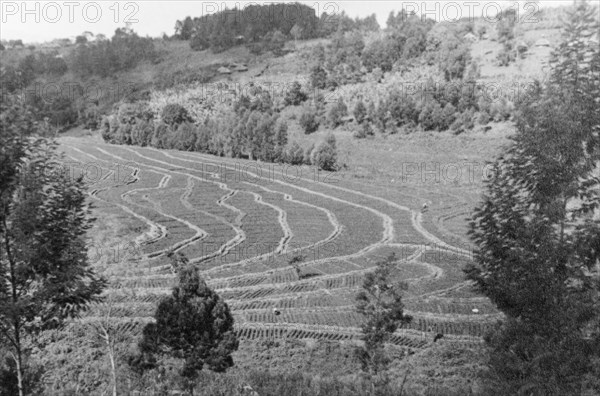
(281,140)
(463,122)
(337,112)
(160,137)
(203,133)
(324,157)
(174,114)
(431,115)
(363,131)
(105,130)
(184,138)
(483,118)
(308,120)
(308,154)
(141,134)
(318,77)
(506,56)
(295,155)
(199,43)
(360,112)
(295,96)
(501,109)
(448,117)
(129,113)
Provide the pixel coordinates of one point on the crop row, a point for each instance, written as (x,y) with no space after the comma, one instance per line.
(339,206)
(283,331)
(213,244)
(156,238)
(399,215)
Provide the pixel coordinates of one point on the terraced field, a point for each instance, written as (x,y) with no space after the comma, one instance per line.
(241,222)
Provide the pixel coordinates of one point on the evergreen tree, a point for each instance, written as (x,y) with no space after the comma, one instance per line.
(281,141)
(360,112)
(193,324)
(380,302)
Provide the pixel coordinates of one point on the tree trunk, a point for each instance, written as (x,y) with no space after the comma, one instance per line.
(111,353)
(19,361)
(114,370)
(15,300)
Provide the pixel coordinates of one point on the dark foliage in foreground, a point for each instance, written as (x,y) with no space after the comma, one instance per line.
(193,324)
(538,239)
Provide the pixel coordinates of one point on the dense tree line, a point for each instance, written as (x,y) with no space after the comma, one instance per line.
(124,51)
(249,129)
(259,25)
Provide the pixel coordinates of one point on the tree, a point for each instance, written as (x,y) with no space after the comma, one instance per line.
(274,42)
(368,24)
(109,334)
(337,112)
(184,137)
(174,114)
(538,256)
(281,140)
(324,156)
(295,155)
(318,77)
(141,133)
(360,112)
(296,33)
(308,154)
(380,302)
(44,272)
(308,120)
(194,324)
(184,29)
(453,58)
(81,40)
(295,96)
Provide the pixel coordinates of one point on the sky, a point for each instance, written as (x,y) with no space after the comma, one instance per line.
(40,21)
